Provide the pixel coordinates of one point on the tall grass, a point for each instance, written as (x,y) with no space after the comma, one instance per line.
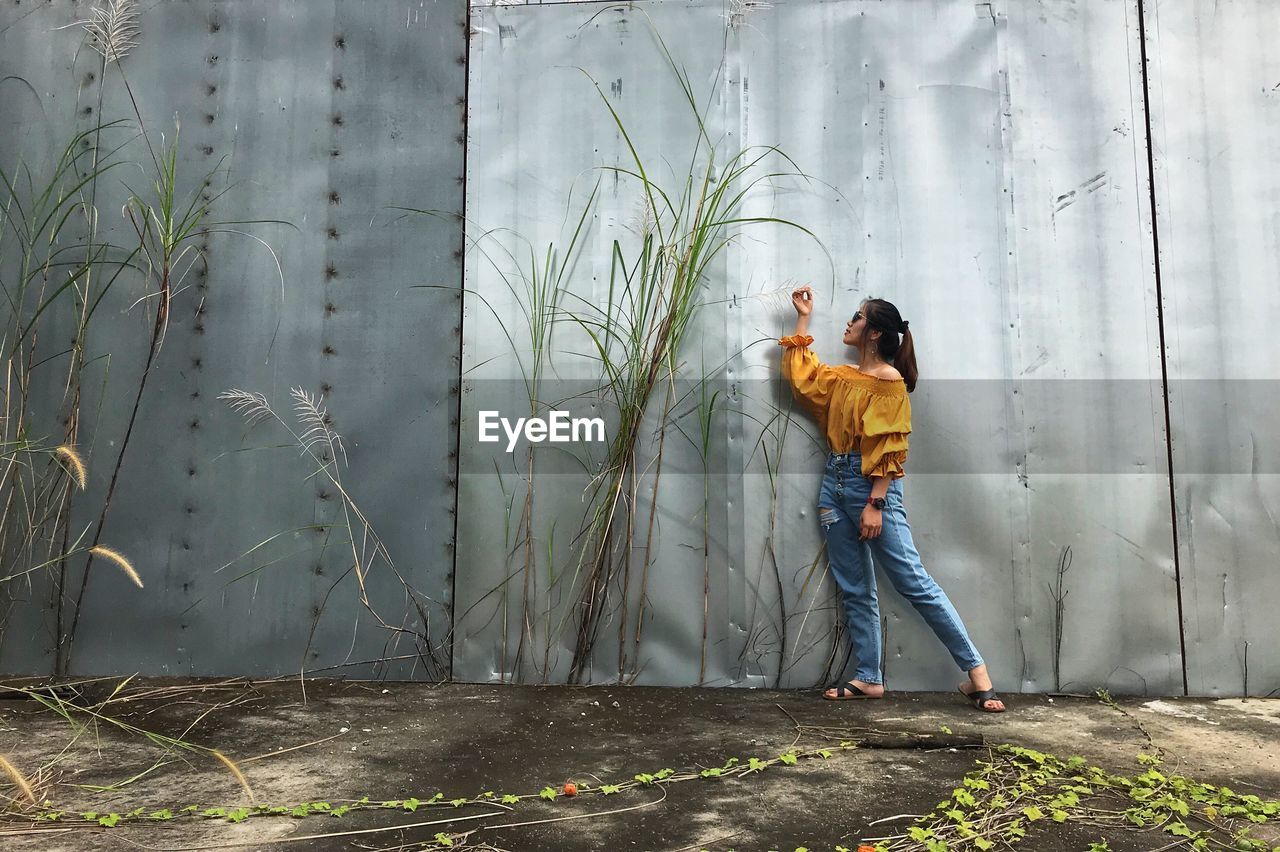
(167,225)
(640,331)
(52,270)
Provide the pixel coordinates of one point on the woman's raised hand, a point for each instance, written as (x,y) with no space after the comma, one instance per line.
(802,300)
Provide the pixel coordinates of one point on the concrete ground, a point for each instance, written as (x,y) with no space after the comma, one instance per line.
(397,741)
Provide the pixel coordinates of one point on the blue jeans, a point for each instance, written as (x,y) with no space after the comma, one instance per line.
(844,495)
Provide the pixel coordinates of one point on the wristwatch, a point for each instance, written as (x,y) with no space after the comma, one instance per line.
(877,502)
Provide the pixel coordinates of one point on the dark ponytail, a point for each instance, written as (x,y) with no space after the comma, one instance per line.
(884,317)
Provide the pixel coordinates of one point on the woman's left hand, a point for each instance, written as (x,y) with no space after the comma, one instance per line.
(871,522)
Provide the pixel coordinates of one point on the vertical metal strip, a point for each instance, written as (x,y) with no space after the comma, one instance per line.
(1164,352)
(455,412)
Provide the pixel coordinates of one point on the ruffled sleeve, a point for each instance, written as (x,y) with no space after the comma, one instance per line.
(811,380)
(886,423)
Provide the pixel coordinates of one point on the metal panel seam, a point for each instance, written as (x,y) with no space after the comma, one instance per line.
(1164,353)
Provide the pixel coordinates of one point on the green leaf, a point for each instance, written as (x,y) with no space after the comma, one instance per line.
(610,789)
(548,793)
(509,799)
(823,753)
(410,804)
(1059,816)
(645,778)
(1178,828)
(714,772)
(443,839)
(238,815)
(163,813)
(788,758)
(1033,813)
(755,764)
(457,803)
(919,834)
(983,843)
(109,820)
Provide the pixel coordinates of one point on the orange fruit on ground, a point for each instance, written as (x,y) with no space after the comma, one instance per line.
(571,789)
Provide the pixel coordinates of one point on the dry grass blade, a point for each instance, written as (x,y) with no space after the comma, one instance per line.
(118,559)
(235,770)
(113,29)
(18,778)
(76,467)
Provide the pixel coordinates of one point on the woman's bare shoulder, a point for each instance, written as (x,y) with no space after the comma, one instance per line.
(885,371)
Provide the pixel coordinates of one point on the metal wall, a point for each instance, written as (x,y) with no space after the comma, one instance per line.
(984,167)
(1215,120)
(326,116)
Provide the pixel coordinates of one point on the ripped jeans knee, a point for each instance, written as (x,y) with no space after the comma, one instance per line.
(827,517)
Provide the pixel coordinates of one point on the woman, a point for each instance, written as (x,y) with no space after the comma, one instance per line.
(864,412)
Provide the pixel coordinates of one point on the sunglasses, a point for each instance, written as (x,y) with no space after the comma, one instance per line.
(857,316)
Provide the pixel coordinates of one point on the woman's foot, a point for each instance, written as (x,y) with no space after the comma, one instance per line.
(979,682)
(854,689)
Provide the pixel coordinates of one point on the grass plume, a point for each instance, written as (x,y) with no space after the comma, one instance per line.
(234,770)
(74,464)
(113,29)
(18,779)
(118,558)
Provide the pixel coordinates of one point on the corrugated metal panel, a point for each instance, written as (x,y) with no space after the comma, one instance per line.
(1215,125)
(998,199)
(326,116)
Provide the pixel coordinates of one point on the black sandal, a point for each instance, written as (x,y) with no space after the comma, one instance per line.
(845,692)
(979,698)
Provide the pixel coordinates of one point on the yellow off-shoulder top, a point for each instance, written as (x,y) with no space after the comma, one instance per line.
(855,410)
